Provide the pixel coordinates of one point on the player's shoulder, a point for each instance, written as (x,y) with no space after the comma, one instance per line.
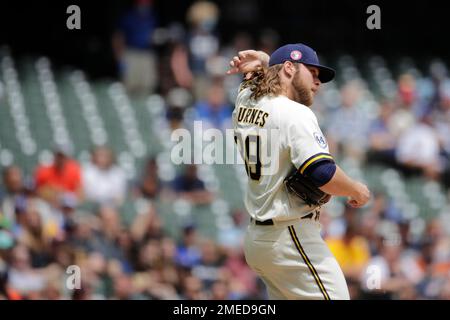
(244,94)
(290,109)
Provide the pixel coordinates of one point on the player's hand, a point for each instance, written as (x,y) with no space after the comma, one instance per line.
(361,196)
(247,62)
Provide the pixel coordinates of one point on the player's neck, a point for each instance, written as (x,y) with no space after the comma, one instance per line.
(288,91)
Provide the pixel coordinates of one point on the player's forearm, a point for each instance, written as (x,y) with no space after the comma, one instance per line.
(341,185)
(264,58)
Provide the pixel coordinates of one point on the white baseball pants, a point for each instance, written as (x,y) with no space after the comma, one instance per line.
(294,261)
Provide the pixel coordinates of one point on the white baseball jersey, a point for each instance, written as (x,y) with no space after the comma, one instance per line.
(273,135)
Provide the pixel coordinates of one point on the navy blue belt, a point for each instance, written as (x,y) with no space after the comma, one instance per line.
(262,223)
(269,222)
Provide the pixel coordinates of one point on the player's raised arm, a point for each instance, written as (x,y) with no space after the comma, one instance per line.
(248,61)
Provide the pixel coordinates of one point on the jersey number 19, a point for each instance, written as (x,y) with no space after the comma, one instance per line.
(250,152)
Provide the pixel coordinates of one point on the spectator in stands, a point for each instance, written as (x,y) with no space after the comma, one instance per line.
(189,186)
(150,186)
(178,100)
(436,235)
(149,255)
(91,287)
(435,260)
(179,66)
(6,292)
(337,226)
(37,223)
(241,280)
(124,289)
(210,264)
(22,277)
(52,291)
(96,271)
(215,111)
(408,97)
(62,175)
(189,58)
(444,293)
(429,285)
(188,254)
(162,284)
(105,233)
(394,272)
(418,150)
(342,140)
(13,193)
(32,231)
(351,251)
(385,208)
(103,181)
(220,291)
(382,141)
(84,293)
(134,48)
(173,58)
(192,289)
(68,213)
(371,220)
(146,225)
(407,106)
(169,250)
(441,123)
(128,248)
(202,17)
(232,236)
(434,84)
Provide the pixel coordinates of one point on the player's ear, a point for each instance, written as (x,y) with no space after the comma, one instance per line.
(289,68)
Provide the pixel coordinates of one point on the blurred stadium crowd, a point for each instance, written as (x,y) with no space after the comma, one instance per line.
(388,126)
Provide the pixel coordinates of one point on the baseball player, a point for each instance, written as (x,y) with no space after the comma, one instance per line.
(283,244)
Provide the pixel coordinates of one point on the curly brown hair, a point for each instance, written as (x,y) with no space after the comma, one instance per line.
(265,82)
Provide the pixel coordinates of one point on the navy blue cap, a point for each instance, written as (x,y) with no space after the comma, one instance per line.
(299,52)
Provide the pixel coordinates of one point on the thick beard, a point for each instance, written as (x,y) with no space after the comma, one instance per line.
(302,94)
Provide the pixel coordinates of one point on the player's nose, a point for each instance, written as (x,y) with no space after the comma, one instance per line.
(316,86)
(317,82)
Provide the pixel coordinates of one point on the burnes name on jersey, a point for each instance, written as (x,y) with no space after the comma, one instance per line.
(252,116)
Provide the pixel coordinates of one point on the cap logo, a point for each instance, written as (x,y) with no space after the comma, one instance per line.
(296,55)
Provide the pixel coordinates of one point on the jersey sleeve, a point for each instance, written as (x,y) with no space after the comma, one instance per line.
(243,94)
(306,143)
